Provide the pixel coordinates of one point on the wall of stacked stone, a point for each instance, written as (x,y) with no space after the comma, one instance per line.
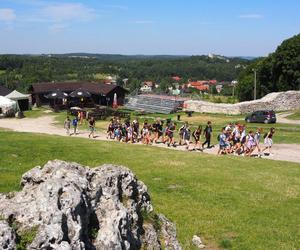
(277,101)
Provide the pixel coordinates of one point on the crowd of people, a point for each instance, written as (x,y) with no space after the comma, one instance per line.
(232,139)
(80,118)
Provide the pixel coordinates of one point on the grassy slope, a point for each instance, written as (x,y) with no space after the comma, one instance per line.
(294,116)
(250,203)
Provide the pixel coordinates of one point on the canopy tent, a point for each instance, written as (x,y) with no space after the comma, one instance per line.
(80,93)
(57,94)
(21,99)
(7,107)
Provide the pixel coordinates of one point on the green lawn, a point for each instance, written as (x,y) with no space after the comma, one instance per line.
(294,116)
(242,202)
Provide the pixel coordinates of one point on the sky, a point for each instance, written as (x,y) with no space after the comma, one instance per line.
(149,27)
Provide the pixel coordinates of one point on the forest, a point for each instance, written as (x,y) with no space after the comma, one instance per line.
(280,71)
(19,71)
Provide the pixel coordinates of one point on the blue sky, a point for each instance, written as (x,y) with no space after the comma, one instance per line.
(179,27)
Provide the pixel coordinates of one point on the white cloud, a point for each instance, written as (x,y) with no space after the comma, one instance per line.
(7,15)
(120,7)
(143,22)
(68,12)
(58,27)
(251,16)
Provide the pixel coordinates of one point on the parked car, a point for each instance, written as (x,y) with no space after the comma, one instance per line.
(263,116)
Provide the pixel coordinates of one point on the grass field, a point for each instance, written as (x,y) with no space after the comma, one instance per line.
(236,203)
(294,116)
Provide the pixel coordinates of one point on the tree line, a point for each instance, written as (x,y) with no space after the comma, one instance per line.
(19,71)
(280,71)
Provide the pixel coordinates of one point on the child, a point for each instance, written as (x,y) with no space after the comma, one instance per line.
(170,133)
(186,135)
(223,145)
(250,143)
(197,137)
(207,133)
(92,127)
(269,140)
(67,125)
(257,140)
(75,124)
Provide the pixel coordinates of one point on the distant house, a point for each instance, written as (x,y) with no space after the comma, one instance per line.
(176,78)
(102,94)
(199,85)
(147,86)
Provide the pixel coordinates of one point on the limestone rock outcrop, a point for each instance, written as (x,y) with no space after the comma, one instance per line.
(74,207)
(278,101)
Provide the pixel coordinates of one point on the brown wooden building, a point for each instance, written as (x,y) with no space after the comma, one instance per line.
(102,94)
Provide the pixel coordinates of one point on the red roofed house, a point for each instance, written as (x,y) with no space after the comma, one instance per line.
(176,78)
(200,85)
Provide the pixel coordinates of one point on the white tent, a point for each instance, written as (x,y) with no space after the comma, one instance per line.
(21,99)
(7,106)
(16,95)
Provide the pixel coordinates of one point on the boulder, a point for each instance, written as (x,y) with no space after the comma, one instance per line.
(7,236)
(197,242)
(69,206)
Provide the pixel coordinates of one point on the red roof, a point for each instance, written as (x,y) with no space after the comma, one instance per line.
(176,78)
(202,87)
(198,83)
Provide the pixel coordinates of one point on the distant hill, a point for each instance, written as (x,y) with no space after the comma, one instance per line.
(19,71)
(116,57)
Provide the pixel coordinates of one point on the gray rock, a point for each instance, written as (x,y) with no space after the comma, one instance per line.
(198,242)
(7,236)
(277,101)
(75,207)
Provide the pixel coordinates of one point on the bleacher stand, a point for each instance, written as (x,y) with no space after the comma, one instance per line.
(155,103)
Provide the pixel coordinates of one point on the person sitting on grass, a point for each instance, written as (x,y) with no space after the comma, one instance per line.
(268,140)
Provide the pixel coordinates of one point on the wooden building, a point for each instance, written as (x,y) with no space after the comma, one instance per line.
(102,94)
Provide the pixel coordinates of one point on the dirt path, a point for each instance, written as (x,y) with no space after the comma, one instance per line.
(281,118)
(46,125)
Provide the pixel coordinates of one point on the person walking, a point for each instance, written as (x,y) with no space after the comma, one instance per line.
(92,124)
(268,140)
(207,133)
(75,124)
(197,137)
(67,125)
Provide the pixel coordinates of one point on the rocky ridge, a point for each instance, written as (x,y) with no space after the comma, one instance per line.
(67,206)
(277,101)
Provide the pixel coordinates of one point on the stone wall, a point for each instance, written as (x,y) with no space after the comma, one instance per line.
(277,101)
